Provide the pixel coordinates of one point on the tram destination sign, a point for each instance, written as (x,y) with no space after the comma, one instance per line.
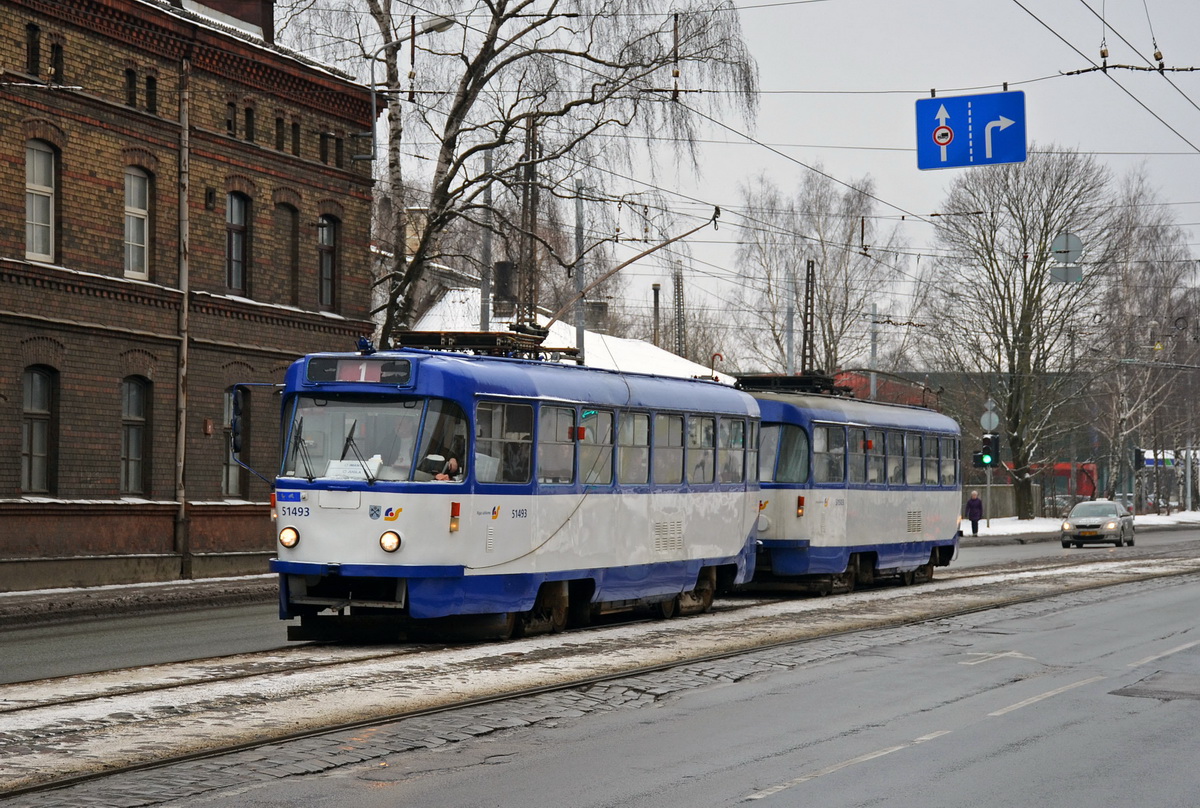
(971,130)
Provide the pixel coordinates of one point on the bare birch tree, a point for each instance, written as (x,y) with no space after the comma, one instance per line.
(998,318)
(550,91)
(835,227)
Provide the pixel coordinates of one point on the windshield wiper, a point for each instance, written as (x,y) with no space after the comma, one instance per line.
(300,448)
(351,444)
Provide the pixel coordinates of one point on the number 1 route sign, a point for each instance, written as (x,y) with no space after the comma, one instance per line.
(971,130)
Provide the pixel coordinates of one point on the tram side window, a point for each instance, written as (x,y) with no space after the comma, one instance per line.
(793,455)
(443,446)
(912,459)
(858,455)
(768,451)
(875,458)
(895,458)
(701,437)
(829,454)
(931,460)
(668,449)
(949,461)
(596,447)
(503,444)
(633,448)
(752,453)
(731,449)
(556,446)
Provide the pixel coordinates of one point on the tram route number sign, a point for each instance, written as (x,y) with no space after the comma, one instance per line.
(971,130)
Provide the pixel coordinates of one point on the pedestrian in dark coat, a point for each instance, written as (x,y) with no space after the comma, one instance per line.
(974,512)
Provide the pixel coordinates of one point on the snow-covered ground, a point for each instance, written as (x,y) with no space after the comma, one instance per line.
(1011,526)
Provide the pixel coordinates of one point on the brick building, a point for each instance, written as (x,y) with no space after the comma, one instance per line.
(179,212)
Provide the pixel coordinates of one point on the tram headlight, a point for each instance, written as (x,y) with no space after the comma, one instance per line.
(390,541)
(289,537)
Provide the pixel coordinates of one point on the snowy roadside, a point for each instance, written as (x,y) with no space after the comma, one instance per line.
(38,607)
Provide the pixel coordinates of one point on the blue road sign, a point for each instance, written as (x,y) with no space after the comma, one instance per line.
(971,130)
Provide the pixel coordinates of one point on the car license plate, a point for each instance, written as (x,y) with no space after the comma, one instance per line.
(1089,533)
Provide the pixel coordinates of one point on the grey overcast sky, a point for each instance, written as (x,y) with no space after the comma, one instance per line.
(840,80)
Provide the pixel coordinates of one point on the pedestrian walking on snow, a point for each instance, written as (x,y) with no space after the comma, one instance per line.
(974,512)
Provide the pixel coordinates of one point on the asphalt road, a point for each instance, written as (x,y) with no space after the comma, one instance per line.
(1088,698)
(192,632)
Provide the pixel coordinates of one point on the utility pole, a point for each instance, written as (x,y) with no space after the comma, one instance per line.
(526,265)
(790,326)
(485,273)
(655,288)
(808,350)
(680,334)
(874,346)
(579,285)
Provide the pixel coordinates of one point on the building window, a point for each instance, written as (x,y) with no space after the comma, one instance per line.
(323,147)
(233,482)
(339,152)
(57,66)
(237,237)
(37,430)
(296,139)
(249,125)
(135,405)
(137,223)
(327,259)
(152,95)
(231,118)
(280,134)
(131,83)
(39,201)
(287,233)
(33,49)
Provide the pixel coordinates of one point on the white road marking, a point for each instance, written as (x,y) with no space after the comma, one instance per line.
(1174,650)
(1044,696)
(990,657)
(758,795)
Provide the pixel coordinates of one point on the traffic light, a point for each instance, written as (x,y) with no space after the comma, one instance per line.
(977,459)
(989,455)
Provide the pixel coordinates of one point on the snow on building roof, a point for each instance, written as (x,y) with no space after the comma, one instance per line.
(458,310)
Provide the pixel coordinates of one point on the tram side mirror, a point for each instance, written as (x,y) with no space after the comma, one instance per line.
(237,406)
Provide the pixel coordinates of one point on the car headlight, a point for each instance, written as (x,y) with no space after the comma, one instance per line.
(1111,526)
(289,537)
(390,541)
(1066,526)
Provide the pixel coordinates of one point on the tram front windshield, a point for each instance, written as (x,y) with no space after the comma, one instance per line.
(370,439)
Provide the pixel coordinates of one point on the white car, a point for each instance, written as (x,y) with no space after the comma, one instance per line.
(1097,521)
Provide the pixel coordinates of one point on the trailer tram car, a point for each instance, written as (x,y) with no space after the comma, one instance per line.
(425,489)
(854,491)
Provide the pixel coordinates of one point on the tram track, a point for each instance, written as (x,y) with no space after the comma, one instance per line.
(88,727)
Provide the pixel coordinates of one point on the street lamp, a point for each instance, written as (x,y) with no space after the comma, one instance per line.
(431,25)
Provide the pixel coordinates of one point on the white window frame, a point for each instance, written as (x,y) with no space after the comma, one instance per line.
(135,216)
(36,150)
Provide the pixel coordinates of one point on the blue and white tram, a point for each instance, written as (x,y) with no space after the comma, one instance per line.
(854,490)
(422,485)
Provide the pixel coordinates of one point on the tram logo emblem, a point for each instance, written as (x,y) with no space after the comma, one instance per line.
(496,512)
(392,514)
(375,511)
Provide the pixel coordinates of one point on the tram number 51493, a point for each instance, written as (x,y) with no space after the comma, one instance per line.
(520,513)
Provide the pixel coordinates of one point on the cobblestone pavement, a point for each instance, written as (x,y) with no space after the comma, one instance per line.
(187,783)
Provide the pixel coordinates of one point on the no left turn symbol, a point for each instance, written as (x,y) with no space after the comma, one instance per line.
(943,135)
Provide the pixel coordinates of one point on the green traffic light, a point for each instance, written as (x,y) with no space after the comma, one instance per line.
(987,459)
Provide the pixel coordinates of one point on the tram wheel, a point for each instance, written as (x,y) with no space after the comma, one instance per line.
(666,609)
(700,599)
